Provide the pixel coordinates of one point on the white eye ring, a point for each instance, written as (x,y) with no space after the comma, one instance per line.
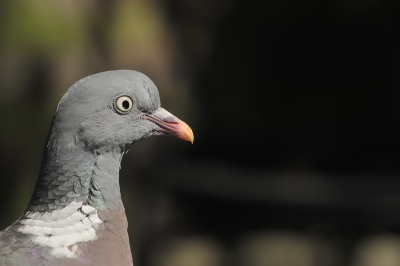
(124,104)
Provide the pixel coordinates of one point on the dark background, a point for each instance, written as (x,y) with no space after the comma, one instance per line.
(294,106)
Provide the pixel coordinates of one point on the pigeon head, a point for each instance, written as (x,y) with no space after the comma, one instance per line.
(112,110)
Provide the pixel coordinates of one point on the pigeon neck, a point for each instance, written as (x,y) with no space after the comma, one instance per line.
(74,173)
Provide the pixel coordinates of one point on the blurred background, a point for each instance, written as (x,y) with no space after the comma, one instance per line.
(294,105)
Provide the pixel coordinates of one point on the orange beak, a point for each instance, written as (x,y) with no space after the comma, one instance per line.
(170,124)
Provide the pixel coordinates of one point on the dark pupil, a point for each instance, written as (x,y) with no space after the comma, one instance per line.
(125,104)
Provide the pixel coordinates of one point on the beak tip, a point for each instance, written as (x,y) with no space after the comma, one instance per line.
(189,136)
(187,132)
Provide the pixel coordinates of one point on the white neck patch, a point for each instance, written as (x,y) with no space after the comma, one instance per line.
(61,230)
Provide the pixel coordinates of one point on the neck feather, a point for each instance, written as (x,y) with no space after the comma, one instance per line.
(76,206)
(73,173)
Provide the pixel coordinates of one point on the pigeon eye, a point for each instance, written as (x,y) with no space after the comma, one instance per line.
(123,104)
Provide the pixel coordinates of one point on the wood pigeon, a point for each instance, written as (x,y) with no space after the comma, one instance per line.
(76,215)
